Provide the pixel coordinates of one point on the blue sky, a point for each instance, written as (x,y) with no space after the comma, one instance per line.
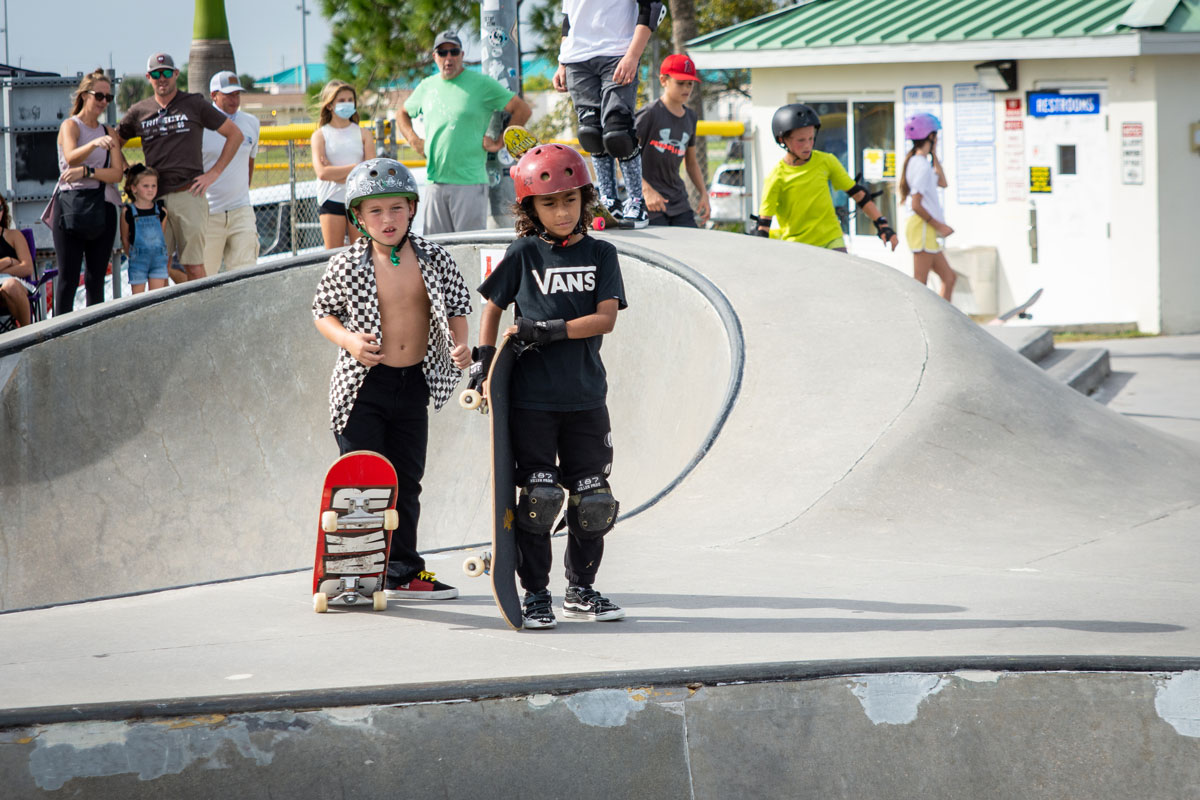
(69,36)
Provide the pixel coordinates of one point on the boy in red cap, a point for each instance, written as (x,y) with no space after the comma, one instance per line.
(666,130)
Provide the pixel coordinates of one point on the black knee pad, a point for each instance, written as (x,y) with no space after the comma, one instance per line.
(592,512)
(591,136)
(539,503)
(621,141)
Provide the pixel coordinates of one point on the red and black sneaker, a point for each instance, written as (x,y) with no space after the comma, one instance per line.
(423,587)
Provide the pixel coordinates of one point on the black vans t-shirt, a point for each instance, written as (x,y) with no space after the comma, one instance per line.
(548,282)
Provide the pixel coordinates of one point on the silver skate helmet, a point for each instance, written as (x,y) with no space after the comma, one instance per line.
(379,177)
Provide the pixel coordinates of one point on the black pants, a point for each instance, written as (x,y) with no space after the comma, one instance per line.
(391,417)
(684,219)
(577,446)
(72,251)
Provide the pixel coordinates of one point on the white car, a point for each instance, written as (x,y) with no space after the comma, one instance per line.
(727,194)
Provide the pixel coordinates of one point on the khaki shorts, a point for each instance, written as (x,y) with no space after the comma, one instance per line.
(187,223)
(231,241)
(920,236)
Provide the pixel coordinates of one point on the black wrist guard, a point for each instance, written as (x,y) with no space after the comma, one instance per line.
(542,331)
(481,364)
(884,229)
(763,232)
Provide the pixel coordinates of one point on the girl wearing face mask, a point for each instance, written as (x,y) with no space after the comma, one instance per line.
(338,144)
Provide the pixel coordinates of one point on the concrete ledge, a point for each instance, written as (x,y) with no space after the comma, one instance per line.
(1034,343)
(1081,368)
(976,728)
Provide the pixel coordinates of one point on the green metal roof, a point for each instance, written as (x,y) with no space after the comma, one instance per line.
(852,23)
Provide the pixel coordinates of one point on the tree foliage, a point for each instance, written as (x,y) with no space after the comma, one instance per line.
(375,42)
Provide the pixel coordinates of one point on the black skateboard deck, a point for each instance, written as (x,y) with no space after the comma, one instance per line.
(501,562)
(1021,311)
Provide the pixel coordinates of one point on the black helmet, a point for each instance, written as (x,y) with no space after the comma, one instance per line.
(790,117)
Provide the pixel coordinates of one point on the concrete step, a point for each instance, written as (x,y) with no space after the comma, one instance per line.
(1031,341)
(1081,368)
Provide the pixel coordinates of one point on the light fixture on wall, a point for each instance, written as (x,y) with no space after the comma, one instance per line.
(997,76)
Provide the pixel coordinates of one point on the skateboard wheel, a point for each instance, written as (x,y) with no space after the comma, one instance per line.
(470,399)
(329,521)
(379,601)
(320,602)
(598,223)
(475,566)
(391,519)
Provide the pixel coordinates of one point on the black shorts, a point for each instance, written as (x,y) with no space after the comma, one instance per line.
(332,207)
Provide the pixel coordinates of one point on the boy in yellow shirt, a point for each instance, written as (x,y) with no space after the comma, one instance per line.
(797,189)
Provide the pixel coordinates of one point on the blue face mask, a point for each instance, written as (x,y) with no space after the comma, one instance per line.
(344,110)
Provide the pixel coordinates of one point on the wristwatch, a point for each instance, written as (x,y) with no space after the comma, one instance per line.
(91,172)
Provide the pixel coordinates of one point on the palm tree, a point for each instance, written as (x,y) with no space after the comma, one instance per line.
(211,51)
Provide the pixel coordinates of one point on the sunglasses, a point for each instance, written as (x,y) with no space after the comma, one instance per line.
(108,98)
(448,52)
(161,73)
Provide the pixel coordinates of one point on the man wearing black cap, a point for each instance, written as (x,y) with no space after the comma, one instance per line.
(457,106)
(171,124)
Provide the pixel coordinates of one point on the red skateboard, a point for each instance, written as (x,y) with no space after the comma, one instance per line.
(358,515)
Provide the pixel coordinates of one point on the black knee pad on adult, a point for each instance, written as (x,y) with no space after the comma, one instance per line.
(591,136)
(620,141)
(538,505)
(592,512)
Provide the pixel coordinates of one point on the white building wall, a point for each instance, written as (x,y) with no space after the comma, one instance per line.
(1177,81)
(1142,243)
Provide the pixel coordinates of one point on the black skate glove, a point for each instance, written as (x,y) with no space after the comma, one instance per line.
(884,229)
(540,331)
(481,364)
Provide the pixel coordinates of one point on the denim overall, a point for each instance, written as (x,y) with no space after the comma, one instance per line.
(148,253)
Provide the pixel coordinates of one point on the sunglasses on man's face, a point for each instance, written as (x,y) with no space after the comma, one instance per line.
(108,98)
(161,73)
(449,51)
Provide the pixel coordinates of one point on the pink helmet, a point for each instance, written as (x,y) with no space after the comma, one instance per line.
(549,168)
(919,126)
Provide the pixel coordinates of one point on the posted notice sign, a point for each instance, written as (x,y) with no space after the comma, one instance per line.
(1052,104)
(1039,180)
(1133,153)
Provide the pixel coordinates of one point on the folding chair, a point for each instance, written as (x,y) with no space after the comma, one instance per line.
(35,289)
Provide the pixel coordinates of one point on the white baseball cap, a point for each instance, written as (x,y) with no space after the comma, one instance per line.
(225,82)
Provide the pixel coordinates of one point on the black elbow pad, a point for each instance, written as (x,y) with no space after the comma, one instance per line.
(651,13)
(566,26)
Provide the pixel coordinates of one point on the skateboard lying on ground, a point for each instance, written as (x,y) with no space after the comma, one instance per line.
(358,515)
(1021,311)
(501,561)
(520,141)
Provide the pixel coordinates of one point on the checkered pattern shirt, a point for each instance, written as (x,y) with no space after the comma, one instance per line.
(347,291)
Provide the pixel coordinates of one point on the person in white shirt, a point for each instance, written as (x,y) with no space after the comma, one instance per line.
(232,238)
(920,180)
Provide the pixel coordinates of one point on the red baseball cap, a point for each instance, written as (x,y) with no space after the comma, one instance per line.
(679,66)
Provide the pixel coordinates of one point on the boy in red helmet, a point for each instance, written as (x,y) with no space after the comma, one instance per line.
(567,288)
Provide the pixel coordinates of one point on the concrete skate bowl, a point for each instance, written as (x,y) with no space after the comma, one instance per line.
(181,436)
(1042,728)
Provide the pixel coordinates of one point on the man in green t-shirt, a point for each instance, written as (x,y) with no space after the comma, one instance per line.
(797,190)
(457,106)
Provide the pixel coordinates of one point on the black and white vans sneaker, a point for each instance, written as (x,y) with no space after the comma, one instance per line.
(584,602)
(634,214)
(539,610)
(611,207)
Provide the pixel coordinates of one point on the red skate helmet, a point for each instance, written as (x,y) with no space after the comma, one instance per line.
(549,168)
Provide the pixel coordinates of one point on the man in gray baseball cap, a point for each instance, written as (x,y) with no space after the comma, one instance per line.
(171,125)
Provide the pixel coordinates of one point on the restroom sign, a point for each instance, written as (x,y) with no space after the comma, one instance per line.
(1047,104)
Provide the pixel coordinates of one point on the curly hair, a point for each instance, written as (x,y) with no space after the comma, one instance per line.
(529,225)
(5,214)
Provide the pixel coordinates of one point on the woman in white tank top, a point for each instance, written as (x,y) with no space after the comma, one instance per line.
(338,144)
